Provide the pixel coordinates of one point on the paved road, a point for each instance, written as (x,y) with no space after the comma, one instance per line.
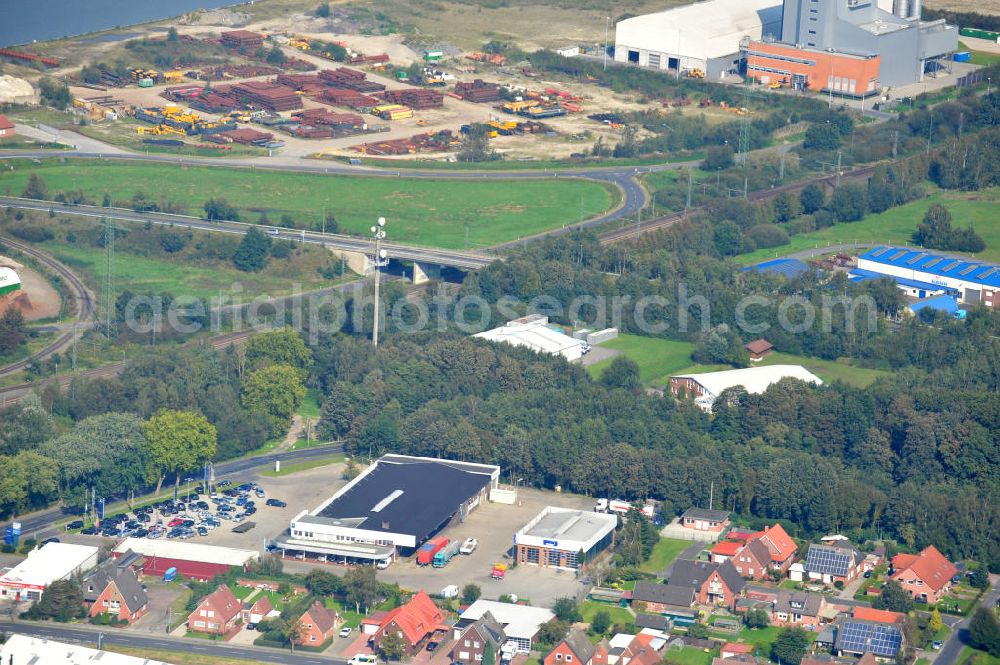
(87,635)
(953,646)
(42,522)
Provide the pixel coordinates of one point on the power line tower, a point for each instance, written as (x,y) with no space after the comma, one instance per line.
(109,277)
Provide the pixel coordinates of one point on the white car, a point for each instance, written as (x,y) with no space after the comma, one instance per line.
(469,546)
(345,631)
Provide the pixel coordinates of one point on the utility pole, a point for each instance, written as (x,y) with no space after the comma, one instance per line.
(109,258)
(930,133)
(895,143)
(380,256)
(839,155)
(781,169)
(711,495)
(607,25)
(690,182)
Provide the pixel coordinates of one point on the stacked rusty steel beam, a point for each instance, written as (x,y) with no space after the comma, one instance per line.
(349,98)
(245,136)
(243,40)
(352,79)
(314,117)
(270,96)
(415,98)
(478,91)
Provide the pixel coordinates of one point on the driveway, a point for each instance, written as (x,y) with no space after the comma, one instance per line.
(161,597)
(953,646)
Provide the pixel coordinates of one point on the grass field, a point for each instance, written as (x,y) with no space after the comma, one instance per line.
(142,274)
(295,467)
(828,370)
(687,656)
(970,656)
(589,608)
(663,554)
(183,655)
(311,404)
(896,226)
(420,211)
(657,358)
(980,57)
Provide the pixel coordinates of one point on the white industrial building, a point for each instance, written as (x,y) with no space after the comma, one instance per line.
(704,35)
(533,332)
(27,650)
(520,622)
(556,537)
(705,388)
(50,563)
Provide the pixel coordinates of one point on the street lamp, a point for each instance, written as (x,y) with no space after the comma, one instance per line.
(378,231)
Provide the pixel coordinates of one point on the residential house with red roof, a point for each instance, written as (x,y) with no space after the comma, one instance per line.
(415,622)
(256,611)
(730,649)
(575,649)
(927,576)
(6,126)
(216,614)
(780,545)
(317,625)
(752,560)
(725,550)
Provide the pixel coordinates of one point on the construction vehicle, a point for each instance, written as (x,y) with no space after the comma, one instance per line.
(300,43)
(519,106)
(503,127)
(167,129)
(774,85)
(148,130)
(695,73)
(443,556)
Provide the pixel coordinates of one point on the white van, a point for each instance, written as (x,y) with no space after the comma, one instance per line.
(382,564)
(363,659)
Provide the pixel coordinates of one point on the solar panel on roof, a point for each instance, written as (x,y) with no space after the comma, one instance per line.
(827,561)
(989,272)
(949,266)
(898,254)
(966,271)
(915,259)
(880,251)
(860,637)
(933,262)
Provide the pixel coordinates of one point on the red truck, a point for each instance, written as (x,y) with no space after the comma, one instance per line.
(425,555)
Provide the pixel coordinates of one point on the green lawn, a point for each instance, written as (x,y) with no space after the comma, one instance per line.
(664,552)
(970,655)
(589,608)
(762,638)
(657,358)
(980,57)
(351,618)
(311,404)
(897,225)
(418,210)
(142,274)
(241,592)
(296,467)
(687,656)
(828,370)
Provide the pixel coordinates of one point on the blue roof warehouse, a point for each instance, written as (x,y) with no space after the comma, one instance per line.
(923,274)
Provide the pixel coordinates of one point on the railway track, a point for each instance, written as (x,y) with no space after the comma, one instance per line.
(84,298)
(665,221)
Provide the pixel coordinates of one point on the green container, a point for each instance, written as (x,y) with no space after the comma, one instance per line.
(402,76)
(979,34)
(145,83)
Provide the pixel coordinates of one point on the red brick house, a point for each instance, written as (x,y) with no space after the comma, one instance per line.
(927,576)
(216,614)
(787,607)
(702,519)
(470,647)
(712,583)
(780,544)
(726,550)
(115,590)
(256,611)
(317,625)
(752,560)
(575,649)
(6,126)
(662,598)
(415,622)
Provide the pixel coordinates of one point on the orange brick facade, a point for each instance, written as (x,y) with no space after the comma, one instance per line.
(813,70)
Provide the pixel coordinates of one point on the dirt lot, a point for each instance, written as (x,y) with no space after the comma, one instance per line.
(37,299)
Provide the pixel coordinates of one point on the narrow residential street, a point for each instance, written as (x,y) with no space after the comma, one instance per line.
(952,649)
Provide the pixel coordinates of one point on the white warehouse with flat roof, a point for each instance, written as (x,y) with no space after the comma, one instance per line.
(25,650)
(556,536)
(755,380)
(533,332)
(520,622)
(50,563)
(703,35)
